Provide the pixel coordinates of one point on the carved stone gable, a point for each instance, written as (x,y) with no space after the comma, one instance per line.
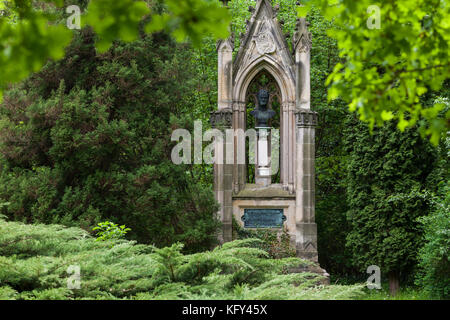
(264,47)
(264,40)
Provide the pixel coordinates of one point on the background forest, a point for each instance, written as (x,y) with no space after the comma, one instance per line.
(86,139)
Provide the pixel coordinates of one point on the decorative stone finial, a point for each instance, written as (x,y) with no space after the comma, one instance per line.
(302,37)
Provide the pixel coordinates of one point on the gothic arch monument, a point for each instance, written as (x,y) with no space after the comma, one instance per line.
(288,200)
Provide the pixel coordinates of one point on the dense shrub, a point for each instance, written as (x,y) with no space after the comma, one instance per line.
(387,172)
(434,257)
(88,139)
(34,261)
(108,230)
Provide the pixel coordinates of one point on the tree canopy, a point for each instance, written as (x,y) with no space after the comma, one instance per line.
(31,32)
(388,65)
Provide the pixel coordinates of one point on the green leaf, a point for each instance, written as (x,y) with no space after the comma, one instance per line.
(386,115)
(302,11)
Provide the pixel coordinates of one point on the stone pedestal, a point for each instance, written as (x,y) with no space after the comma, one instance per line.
(273,196)
(263,170)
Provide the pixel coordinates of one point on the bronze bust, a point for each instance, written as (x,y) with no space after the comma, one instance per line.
(262,114)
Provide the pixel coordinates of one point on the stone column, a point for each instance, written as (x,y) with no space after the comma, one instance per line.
(291,152)
(223,173)
(306,237)
(223,120)
(239,125)
(284,147)
(263,174)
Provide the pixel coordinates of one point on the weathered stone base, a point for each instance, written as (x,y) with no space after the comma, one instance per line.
(227,229)
(306,241)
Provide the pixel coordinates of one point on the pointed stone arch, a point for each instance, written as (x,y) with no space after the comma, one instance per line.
(249,72)
(279,69)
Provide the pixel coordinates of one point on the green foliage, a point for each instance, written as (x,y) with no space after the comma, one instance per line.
(59,166)
(7,293)
(434,258)
(88,139)
(32,32)
(108,230)
(331,158)
(192,19)
(387,171)
(34,260)
(113,20)
(28,40)
(387,70)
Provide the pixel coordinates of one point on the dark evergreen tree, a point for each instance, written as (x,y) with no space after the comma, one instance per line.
(386,174)
(88,139)
(434,256)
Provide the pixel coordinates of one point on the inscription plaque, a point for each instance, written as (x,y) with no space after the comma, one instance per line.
(263,218)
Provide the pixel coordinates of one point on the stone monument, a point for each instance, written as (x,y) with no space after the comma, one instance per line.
(290,203)
(262,116)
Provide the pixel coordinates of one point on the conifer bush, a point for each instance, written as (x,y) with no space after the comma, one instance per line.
(434,257)
(386,177)
(34,261)
(88,139)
